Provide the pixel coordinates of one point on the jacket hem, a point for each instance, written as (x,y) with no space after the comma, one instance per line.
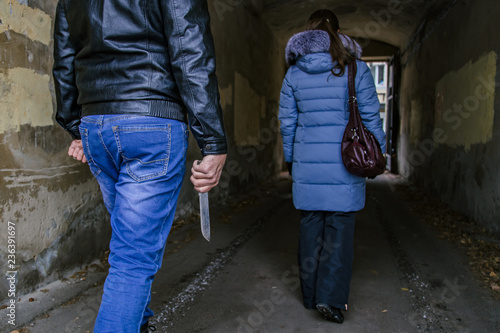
(152,108)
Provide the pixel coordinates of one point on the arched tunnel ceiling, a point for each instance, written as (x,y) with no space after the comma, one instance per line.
(388,21)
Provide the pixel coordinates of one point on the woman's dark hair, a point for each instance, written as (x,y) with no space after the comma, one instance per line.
(326,20)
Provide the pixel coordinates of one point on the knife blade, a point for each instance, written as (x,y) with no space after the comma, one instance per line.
(204,215)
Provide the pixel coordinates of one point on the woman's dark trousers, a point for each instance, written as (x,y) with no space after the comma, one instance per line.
(325,257)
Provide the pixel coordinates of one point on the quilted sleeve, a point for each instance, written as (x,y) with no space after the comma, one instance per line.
(288,115)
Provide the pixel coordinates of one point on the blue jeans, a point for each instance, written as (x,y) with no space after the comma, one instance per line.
(139,163)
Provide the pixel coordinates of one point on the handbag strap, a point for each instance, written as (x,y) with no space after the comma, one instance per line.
(352,68)
(354,115)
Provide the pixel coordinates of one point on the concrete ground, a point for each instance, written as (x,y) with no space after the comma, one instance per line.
(405,278)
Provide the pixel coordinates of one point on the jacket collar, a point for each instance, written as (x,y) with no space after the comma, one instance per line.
(316,41)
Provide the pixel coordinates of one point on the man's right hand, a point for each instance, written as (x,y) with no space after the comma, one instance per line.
(206,173)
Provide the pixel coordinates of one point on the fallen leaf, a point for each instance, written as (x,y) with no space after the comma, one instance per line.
(495,286)
(405,289)
(32,299)
(72,301)
(384,311)
(481,246)
(374,272)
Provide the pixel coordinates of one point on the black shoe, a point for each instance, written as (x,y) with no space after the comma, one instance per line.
(330,313)
(146,328)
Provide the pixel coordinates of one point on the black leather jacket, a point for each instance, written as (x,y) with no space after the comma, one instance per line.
(148,57)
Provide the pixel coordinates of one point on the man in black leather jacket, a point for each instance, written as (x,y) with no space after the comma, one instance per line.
(129,75)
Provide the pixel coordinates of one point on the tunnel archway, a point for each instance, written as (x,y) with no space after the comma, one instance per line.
(392,22)
(443,90)
(387,30)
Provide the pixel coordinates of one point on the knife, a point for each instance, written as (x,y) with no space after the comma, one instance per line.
(204,215)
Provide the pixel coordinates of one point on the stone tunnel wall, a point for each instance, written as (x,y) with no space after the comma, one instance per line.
(53,202)
(450,130)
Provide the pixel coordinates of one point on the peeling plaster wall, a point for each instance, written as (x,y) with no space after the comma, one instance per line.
(251,68)
(54,202)
(449,140)
(25,99)
(464,103)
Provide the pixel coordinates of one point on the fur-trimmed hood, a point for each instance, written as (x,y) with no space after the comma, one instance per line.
(316,41)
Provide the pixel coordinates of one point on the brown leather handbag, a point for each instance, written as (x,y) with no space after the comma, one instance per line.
(361,151)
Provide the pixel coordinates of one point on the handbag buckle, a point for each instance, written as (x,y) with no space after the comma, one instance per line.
(355,135)
(352,99)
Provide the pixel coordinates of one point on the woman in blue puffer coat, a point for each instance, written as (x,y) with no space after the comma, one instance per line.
(314,113)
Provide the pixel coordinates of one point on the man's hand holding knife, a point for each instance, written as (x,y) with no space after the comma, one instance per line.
(205,176)
(206,173)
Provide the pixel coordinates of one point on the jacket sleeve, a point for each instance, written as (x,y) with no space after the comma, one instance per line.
(68,112)
(368,103)
(288,115)
(192,56)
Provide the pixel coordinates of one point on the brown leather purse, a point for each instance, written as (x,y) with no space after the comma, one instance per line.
(361,151)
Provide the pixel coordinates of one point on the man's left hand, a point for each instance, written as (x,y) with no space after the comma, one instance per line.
(76,151)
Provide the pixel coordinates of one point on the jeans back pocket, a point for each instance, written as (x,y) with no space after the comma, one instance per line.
(145,149)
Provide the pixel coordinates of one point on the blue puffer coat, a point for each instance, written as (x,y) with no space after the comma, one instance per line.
(314,113)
